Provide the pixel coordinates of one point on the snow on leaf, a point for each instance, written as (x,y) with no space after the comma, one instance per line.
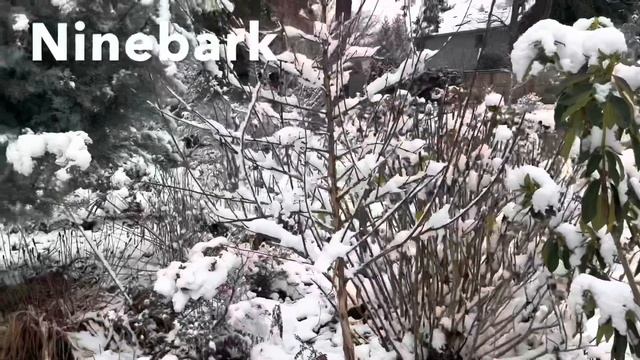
(573,45)
(614,299)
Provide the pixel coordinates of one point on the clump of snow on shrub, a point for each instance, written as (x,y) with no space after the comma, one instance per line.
(574,240)
(276,231)
(20,22)
(630,74)
(542,116)
(574,46)
(65,6)
(503,134)
(614,299)
(199,277)
(338,247)
(594,141)
(116,201)
(492,99)
(119,179)
(547,194)
(69,148)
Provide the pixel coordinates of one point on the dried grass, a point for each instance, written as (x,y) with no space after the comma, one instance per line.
(30,337)
(41,312)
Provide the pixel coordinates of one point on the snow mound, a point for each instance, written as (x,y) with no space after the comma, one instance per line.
(199,277)
(70,149)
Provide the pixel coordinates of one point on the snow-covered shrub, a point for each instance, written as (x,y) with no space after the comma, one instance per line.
(70,149)
(400,200)
(597,106)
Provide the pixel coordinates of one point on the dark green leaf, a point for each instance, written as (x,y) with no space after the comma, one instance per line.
(590,202)
(619,346)
(602,212)
(589,307)
(610,117)
(605,331)
(612,166)
(594,163)
(569,139)
(551,254)
(619,110)
(633,337)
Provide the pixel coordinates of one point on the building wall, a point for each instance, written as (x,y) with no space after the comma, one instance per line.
(461,51)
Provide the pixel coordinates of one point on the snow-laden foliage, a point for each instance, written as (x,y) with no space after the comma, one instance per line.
(70,149)
(306,220)
(443,218)
(598,108)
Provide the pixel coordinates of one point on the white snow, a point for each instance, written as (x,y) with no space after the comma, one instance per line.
(594,140)
(614,299)
(548,193)
(574,241)
(574,46)
(288,135)
(20,22)
(439,218)
(195,278)
(116,201)
(473,14)
(275,230)
(492,99)
(301,66)
(503,134)
(602,91)
(65,6)
(438,340)
(413,66)
(607,246)
(410,149)
(119,179)
(631,74)
(70,149)
(341,242)
(543,116)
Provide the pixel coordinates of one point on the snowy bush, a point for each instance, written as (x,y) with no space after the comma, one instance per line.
(598,108)
(302,220)
(70,149)
(433,214)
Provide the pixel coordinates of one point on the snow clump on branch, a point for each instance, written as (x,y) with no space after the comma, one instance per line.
(69,148)
(572,47)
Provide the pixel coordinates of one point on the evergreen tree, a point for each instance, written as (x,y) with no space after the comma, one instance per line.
(429,20)
(568,11)
(393,40)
